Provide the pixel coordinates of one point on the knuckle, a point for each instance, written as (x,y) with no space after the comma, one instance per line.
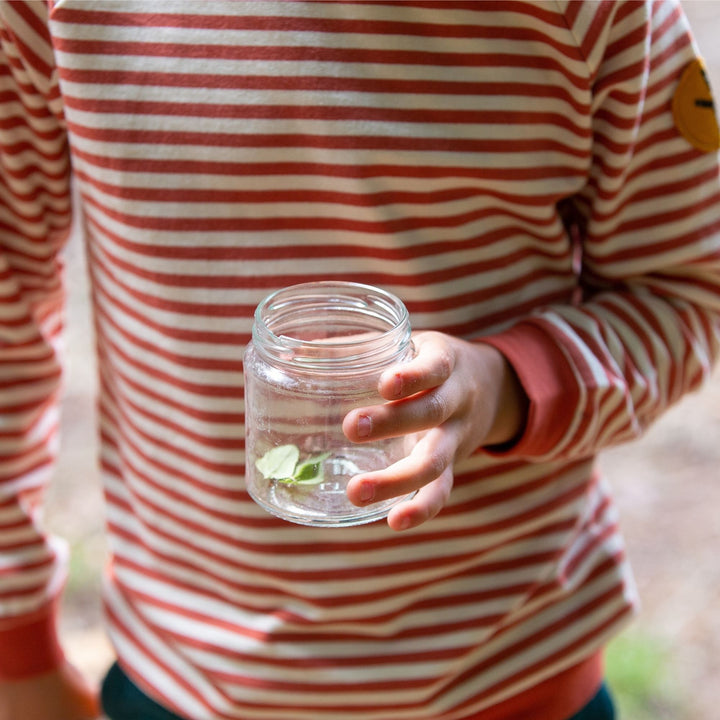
(436,465)
(446,362)
(422,515)
(446,483)
(437,408)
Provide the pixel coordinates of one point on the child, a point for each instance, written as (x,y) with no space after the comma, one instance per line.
(538,182)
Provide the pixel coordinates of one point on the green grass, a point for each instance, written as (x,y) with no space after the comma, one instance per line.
(641,676)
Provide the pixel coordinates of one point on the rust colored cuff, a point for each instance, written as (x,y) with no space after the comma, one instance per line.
(549,383)
(29,645)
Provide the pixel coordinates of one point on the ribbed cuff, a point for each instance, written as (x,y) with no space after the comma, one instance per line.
(29,644)
(549,383)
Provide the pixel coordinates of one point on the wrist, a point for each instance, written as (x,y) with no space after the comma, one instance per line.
(511,402)
(550,385)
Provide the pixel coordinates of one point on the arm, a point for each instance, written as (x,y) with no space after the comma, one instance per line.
(35,680)
(647,328)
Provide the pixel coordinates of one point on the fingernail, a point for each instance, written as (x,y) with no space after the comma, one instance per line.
(405,523)
(364,426)
(367,492)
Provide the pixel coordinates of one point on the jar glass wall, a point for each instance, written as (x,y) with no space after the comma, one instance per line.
(317,352)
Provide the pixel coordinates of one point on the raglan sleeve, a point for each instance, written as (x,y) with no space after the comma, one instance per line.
(35,214)
(646,327)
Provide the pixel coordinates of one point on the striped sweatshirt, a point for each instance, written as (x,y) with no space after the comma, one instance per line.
(541,176)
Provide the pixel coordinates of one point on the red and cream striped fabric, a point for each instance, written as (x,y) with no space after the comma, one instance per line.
(225,149)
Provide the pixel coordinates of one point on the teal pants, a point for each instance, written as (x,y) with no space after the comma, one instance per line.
(122,700)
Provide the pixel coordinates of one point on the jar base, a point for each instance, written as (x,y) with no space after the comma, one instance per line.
(357,516)
(326,504)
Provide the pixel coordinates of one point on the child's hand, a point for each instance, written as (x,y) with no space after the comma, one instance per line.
(454,397)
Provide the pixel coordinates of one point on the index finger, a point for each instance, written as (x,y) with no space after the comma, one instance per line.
(432,366)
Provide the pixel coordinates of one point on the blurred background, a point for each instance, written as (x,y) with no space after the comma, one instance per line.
(667,485)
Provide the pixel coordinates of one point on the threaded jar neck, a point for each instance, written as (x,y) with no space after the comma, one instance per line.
(332,326)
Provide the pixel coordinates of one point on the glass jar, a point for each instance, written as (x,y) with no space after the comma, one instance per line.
(317,351)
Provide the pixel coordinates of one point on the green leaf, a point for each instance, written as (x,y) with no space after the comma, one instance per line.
(310,472)
(279,463)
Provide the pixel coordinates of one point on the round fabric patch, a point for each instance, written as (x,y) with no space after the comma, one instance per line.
(694,109)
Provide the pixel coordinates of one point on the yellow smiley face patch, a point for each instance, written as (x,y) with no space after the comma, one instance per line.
(694,109)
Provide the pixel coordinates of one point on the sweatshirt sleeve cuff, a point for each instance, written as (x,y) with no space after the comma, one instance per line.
(549,383)
(29,645)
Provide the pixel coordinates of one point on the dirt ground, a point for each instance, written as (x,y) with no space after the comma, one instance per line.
(667,486)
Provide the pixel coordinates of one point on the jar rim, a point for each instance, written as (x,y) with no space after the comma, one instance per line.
(381,315)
